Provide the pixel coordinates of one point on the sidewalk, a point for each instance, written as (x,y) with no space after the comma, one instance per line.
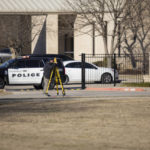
(89,87)
(29,93)
(126,89)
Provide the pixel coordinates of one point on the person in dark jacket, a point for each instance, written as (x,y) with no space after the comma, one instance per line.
(49,66)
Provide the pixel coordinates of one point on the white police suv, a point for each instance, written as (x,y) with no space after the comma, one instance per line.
(26,71)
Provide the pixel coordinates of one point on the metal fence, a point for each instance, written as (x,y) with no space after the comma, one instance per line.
(120,69)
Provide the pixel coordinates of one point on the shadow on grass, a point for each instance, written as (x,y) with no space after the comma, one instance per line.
(8,106)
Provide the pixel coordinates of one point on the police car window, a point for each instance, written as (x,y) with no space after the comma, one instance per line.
(41,63)
(59,64)
(45,60)
(32,63)
(19,64)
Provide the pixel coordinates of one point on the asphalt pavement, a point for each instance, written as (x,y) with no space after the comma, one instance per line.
(109,92)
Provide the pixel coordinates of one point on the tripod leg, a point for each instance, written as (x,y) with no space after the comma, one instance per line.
(63,91)
(50,80)
(56,79)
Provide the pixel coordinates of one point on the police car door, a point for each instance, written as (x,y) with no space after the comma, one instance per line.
(26,71)
(16,72)
(34,70)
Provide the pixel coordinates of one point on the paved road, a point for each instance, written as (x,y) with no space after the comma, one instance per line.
(28,92)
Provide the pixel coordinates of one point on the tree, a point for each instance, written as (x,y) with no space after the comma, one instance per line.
(137,30)
(14,32)
(18,32)
(100,11)
(131,27)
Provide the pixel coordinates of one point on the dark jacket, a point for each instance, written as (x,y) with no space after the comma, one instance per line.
(48,69)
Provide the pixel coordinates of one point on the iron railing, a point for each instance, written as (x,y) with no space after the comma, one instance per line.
(130,68)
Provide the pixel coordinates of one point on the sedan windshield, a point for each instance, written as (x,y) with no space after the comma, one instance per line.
(7,63)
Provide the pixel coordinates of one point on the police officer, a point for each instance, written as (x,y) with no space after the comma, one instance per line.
(49,66)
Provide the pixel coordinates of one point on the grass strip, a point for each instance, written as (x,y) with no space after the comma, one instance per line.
(146,84)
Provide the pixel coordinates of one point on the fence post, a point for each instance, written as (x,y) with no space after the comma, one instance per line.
(114,69)
(83,70)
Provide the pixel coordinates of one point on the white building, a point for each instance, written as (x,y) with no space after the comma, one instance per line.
(41,26)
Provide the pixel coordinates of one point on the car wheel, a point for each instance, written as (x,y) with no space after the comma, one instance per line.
(52,84)
(106,78)
(2,83)
(66,80)
(37,87)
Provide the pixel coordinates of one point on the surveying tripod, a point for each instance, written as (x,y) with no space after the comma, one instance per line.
(55,72)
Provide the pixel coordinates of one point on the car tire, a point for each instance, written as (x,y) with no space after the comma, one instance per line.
(106,78)
(2,83)
(52,84)
(37,87)
(66,80)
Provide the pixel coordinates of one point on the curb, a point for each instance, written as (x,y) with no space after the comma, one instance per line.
(2,90)
(116,89)
(27,90)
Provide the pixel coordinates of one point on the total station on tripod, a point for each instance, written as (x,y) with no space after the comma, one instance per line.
(54,76)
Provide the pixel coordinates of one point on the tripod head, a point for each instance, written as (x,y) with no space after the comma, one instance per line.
(55,73)
(55,60)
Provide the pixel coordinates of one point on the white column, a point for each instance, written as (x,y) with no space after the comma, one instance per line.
(38,36)
(82,39)
(52,34)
